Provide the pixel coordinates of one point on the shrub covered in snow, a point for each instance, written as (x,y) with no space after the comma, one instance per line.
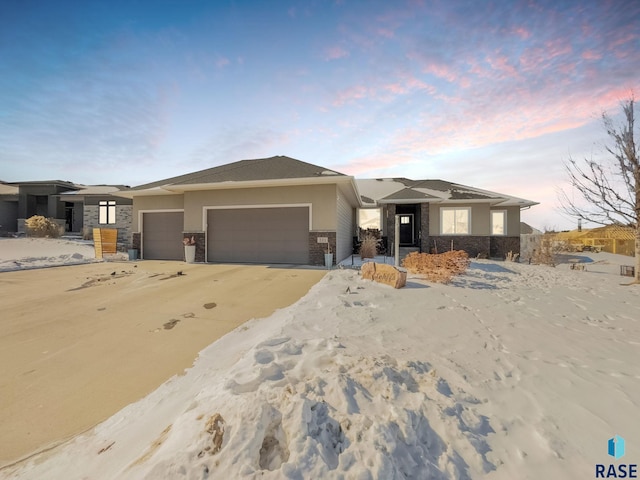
(39,226)
(437,267)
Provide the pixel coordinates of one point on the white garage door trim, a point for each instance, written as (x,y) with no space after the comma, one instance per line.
(141,223)
(205,210)
(262,205)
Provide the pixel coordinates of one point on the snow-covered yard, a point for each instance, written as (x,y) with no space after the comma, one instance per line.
(23,253)
(511,371)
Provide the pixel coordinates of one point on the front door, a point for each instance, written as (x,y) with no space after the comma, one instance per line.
(406,229)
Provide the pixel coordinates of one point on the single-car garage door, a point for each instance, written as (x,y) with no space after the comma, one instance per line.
(162,236)
(258,235)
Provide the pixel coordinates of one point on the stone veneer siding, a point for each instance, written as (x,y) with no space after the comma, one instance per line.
(500,246)
(136,242)
(493,247)
(424,227)
(473,245)
(91,218)
(317,250)
(390,224)
(200,239)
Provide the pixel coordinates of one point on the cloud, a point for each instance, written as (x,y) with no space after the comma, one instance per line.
(335,53)
(591,55)
(351,94)
(222,62)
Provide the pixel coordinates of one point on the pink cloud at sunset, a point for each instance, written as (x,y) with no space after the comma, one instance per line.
(335,53)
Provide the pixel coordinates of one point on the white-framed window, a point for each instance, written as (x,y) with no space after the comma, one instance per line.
(455,220)
(107,212)
(498,222)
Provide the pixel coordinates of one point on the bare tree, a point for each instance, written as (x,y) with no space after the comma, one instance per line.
(609,190)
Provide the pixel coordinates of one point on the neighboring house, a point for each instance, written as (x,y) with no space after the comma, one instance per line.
(436,215)
(36,198)
(95,206)
(269,210)
(526,229)
(8,208)
(73,206)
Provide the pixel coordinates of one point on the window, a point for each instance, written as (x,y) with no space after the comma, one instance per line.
(107,212)
(498,222)
(455,221)
(405,219)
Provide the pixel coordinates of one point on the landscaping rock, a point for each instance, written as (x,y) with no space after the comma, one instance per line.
(383,273)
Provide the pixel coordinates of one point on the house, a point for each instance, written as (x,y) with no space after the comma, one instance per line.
(436,215)
(74,207)
(8,208)
(33,198)
(96,206)
(268,210)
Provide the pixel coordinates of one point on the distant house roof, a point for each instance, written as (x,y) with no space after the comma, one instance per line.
(96,190)
(57,183)
(6,189)
(273,168)
(403,190)
(526,229)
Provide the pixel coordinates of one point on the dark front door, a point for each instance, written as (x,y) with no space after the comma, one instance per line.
(406,229)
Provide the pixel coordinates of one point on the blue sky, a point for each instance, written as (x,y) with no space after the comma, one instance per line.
(495,95)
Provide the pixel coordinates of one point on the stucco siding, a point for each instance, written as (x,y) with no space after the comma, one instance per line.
(160,202)
(480,217)
(321,197)
(513,221)
(346,226)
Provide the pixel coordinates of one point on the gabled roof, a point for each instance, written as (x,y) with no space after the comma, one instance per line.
(526,229)
(403,190)
(273,168)
(279,171)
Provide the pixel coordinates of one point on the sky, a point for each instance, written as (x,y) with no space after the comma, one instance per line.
(493,94)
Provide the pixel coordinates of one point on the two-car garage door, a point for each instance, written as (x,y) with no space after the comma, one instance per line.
(258,235)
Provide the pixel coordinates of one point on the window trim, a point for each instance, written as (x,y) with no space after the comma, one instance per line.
(469,223)
(504,223)
(109,209)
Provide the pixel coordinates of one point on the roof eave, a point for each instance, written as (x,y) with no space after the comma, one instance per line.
(150,192)
(408,201)
(277,182)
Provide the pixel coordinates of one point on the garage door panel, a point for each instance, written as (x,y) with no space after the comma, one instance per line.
(162,235)
(258,235)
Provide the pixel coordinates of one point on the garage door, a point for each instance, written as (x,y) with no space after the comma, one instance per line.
(162,236)
(258,235)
